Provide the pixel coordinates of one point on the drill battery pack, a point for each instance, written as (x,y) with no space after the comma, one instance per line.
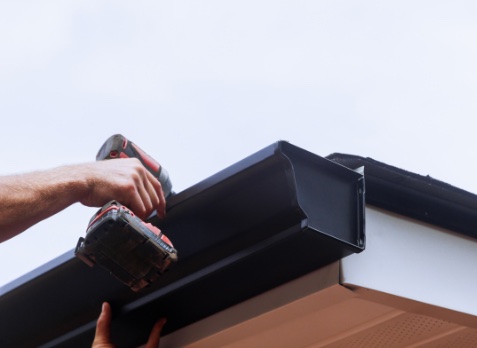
(135,252)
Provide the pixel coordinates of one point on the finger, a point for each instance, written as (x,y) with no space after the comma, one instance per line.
(137,198)
(154,337)
(136,204)
(146,200)
(103,325)
(156,191)
(152,188)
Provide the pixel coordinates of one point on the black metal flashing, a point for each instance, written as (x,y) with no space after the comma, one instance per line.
(419,197)
(266,220)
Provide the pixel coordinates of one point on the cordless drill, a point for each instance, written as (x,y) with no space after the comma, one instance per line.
(135,252)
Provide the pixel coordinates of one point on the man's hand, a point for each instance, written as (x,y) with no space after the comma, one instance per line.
(128,182)
(102,337)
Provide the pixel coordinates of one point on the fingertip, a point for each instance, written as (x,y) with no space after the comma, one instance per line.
(105,310)
(160,324)
(161,210)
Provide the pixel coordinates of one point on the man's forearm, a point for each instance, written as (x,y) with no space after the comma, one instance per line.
(29,198)
(26,199)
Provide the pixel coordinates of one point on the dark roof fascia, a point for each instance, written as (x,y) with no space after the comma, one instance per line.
(416,196)
(274,216)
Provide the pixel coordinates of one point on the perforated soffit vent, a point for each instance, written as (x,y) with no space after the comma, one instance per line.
(332,317)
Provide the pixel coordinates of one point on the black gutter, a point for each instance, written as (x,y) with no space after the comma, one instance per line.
(264,221)
(416,196)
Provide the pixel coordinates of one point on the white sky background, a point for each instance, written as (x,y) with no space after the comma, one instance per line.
(199,85)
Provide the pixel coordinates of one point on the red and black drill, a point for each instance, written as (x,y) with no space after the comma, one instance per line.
(135,252)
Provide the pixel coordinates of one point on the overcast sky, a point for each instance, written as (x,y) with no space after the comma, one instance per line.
(199,85)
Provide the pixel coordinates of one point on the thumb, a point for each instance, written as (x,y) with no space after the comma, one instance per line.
(103,324)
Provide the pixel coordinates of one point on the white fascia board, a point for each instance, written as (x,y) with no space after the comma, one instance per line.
(415,261)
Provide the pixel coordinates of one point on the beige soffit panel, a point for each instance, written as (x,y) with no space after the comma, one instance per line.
(333,318)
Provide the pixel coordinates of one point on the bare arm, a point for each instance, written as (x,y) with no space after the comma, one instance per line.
(26,199)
